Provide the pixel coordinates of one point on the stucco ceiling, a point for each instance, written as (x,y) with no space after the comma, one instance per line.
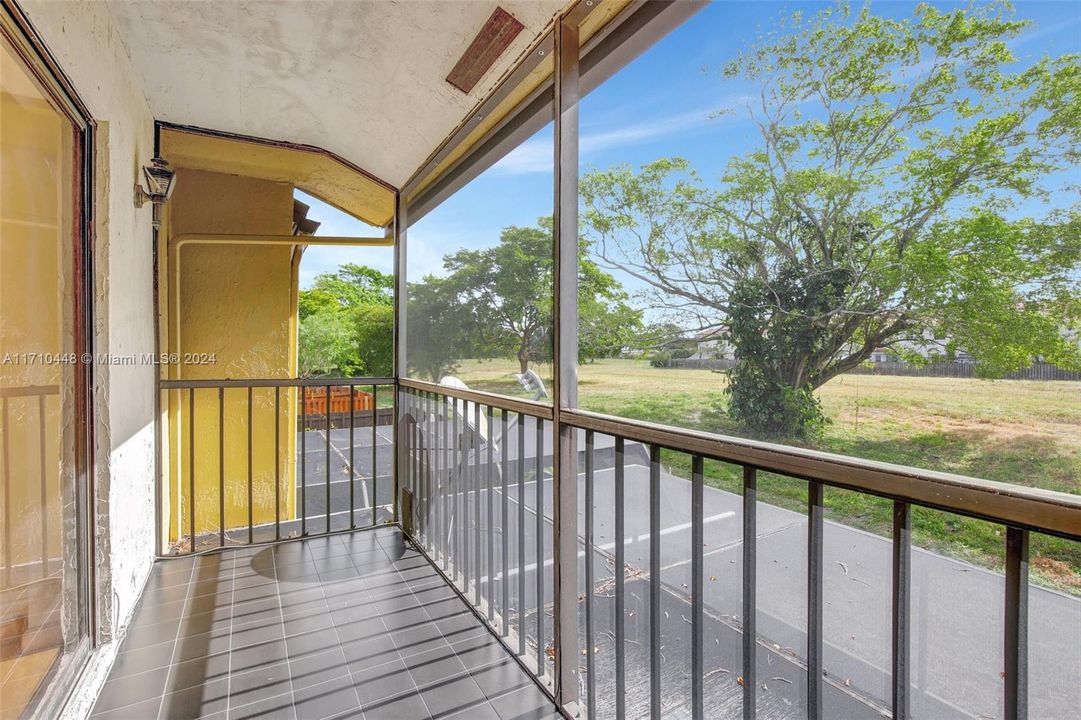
(362,78)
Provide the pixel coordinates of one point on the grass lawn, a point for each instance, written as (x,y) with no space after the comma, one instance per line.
(1015,431)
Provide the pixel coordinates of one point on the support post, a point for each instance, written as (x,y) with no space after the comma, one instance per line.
(1016,631)
(565,371)
(398,229)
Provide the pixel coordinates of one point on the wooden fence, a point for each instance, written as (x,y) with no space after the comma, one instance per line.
(340,420)
(1036,371)
(692,364)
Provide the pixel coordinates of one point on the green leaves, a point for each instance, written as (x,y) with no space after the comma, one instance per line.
(897,196)
(346,323)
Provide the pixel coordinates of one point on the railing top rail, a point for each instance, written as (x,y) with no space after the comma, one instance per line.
(1047,511)
(29,391)
(272,382)
(526,407)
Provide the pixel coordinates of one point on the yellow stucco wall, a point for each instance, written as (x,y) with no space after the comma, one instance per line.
(235,308)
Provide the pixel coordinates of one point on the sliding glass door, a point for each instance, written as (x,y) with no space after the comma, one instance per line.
(44,397)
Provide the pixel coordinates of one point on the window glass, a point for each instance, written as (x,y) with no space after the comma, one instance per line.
(40,589)
(479,265)
(849,229)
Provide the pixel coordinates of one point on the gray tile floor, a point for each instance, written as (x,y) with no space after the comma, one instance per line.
(344,626)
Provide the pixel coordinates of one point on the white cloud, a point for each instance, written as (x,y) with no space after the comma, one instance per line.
(535,155)
(531,157)
(1039,32)
(426,250)
(650,130)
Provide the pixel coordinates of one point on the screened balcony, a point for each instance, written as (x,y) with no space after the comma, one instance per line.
(495,369)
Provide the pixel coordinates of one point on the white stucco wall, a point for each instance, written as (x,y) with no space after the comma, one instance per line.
(82,37)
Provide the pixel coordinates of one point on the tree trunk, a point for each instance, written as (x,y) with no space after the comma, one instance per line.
(523,358)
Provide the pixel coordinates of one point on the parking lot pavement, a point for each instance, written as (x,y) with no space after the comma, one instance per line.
(313,463)
(957,608)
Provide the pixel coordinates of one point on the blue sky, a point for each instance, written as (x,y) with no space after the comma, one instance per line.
(661,105)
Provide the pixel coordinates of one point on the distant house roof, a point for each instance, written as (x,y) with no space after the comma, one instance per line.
(711,333)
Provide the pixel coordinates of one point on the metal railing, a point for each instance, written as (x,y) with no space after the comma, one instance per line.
(475,466)
(474,471)
(1020,510)
(479,507)
(18,560)
(250,462)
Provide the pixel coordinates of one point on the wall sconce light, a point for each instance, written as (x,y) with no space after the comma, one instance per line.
(160,182)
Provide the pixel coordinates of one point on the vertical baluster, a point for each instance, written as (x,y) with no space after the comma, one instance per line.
(814,601)
(406,468)
(489,492)
(591,680)
(467,556)
(422,440)
(621,640)
(327,456)
(655,581)
(375,455)
(277,464)
(456,499)
(465,440)
(431,480)
(422,466)
(521,534)
(221,466)
(414,456)
(697,601)
(476,505)
(7,495)
(504,584)
(8,559)
(437,479)
(430,445)
(463,494)
(902,586)
(540,546)
(353,459)
(414,400)
(406,482)
(410,449)
(750,609)
(1016,630)
(444,479)
(191,464)
(251,531)
(303,460)
(414,405)
(44,488)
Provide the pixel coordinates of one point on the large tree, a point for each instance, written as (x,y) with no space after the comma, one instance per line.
(507,291)
(438,328)
(352,285)
(902,191)
(607,323)
(346,323)
(326,345)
